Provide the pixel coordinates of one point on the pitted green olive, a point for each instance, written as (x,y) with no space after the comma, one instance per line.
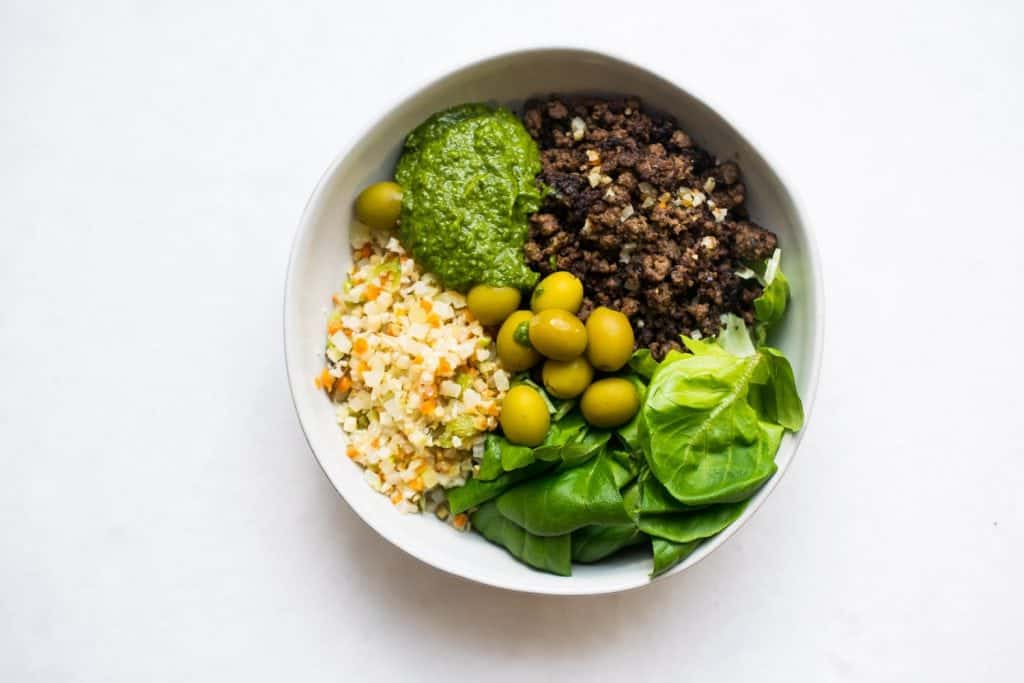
(513,343)
(558,334)
(610,402)
(567,378)
(559,290)
(491,305)
(379,205)
(524,416)
(609,339)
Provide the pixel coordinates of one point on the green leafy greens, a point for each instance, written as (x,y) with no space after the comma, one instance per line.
(681,471)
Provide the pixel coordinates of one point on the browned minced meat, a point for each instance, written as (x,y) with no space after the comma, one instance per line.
(637,240)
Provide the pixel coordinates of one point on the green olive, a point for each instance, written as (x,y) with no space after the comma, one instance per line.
(559,290)
(609,339)
(514,350)
(610,402)
(524,416)
(558,334)
(567,378)
(378,205)
(491,305)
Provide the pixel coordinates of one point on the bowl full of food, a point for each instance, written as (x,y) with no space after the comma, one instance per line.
(553,324)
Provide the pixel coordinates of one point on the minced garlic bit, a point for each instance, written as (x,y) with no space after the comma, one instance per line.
(579,128)
(413,374)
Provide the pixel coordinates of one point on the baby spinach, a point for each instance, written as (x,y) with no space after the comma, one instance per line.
(548,553)
(643,363)
(693,525)
(771,305)
(563,502)
(701,436)
(594,543)
(668,554)
(476,491)
(624,467)
(654,499)
(777,400)
(490,462)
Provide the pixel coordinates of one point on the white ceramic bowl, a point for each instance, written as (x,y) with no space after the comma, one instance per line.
(321,255)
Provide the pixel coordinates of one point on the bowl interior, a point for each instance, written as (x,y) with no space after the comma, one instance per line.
(321,256)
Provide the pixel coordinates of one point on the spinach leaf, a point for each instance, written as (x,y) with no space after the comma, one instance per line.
(594,543)
(562,408)
(514,456)
(701,437)
(771,305)
(548,553)
(654,499)
(490,463)
(624,467)
(668,554)
(683,527)
(643,363)
(565,501)
(777,400)
(476,491)
(578,452)
(629,434)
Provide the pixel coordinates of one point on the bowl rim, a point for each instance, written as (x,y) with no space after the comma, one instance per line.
(816,319)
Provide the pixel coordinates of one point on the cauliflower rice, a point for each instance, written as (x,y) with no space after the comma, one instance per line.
(414,376)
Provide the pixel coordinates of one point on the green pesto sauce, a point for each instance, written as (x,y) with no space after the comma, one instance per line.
(467,177)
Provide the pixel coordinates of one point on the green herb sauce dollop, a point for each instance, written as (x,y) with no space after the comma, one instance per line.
(467,177)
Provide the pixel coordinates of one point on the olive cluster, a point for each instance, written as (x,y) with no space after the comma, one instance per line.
(571,353)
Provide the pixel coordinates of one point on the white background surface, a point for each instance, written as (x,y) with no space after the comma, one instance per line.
(161,518)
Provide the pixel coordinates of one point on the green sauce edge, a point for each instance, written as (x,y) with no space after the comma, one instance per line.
(468,182)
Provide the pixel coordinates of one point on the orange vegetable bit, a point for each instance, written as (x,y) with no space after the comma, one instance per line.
(434,320)
(336,298)
(428,406)
(444,368)
(351,452)
(325,380)
(426,305)
(371,292)
(417,484)
(360,346)
(396,498)
(460,520)
(333,326)
(344,384)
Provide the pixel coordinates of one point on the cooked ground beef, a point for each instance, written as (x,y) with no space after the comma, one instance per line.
(652,224)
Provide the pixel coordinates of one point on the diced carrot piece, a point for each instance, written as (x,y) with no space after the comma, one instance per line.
(418,360)
(444,367)
(426,305)
(375,442)
(396,497)
(326,380)
(434,320)
(416,484)
(333,326)
(360,345)
(336,298)
(372,291)
(427,407)
(352,452)
(460,520)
